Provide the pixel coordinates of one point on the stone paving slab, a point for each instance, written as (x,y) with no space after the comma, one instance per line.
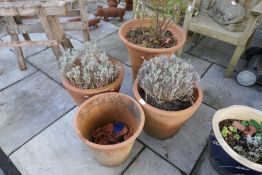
(46,62)
(200,66)
(113,46)
(9,68)
(104,29)
(204,166)
(28,51)
(185,147)
(216,51)
(59,151)
(220,92)
(127,83)
(1,172)
(150,163)
(29,106)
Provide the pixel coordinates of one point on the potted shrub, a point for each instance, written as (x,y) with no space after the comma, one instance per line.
(169,93)
(89,71)
(99,117)
(145,38)
(235,145)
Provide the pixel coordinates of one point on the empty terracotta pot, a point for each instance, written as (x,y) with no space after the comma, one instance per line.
(137,54)
(80,95)
(103,109)
(164,124)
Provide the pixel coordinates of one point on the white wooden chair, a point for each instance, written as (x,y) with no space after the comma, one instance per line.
(205,25)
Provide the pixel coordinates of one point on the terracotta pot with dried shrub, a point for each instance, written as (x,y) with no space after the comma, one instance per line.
(145,38)
(168,90)
(88,71)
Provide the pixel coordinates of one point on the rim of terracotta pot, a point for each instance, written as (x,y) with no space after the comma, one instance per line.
(167,113)
(220,116)
(145,22)
(96,90)
(115,146)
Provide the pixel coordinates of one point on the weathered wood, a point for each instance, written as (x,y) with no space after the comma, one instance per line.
(48,31)
(84,20)
(18,50)
(241,45)
(206,26)
(257,10)
(26,8)
(19,21)
(37,28)
(47,43)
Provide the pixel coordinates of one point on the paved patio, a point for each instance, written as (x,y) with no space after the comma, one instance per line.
(36,113)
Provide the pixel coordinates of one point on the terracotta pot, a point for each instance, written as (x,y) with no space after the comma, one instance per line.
(103,109)
(129,5)
(164,124)
(224,159)
(80,95)
(137,54)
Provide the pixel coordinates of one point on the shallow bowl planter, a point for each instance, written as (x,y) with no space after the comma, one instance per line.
(164,124)
(103,109)
(223,158)
(80,95)
(137,54)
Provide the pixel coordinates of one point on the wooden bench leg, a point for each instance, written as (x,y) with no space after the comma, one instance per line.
(47,28)
(19,21)
(234,60)
(84,20)
(18,50)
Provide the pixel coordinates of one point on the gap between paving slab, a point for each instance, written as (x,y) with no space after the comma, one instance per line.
(33,110)
(62,153)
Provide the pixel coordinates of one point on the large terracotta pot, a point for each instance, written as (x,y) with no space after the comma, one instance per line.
(103,109)
(164,124)
(137,54)
(223,158)
(80,95)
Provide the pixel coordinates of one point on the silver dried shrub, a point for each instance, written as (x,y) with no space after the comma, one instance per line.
(168,80)
(87,68)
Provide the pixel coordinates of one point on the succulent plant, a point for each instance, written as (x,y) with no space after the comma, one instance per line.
(88,67)
(168,79)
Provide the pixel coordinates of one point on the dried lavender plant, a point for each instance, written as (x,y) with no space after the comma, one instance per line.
(168,80)
(87,68)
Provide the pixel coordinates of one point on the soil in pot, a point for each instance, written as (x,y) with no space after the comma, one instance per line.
(148,37)
(167,106)
(244,137)
(111,133)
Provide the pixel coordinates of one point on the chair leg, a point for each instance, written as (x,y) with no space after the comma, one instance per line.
(234,60)
(18,50)
(19,54)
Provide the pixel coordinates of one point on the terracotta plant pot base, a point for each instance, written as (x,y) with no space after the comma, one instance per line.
(108,108)
(164,124)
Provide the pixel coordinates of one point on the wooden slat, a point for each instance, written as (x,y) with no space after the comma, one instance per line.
(257,10)
(26,8)
(205,25)
(47,43)
(37,28)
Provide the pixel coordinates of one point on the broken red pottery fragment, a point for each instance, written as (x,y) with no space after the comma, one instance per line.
(239,126)
(250,130)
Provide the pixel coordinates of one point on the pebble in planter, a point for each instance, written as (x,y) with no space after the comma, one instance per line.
(89,71)
(168,90)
